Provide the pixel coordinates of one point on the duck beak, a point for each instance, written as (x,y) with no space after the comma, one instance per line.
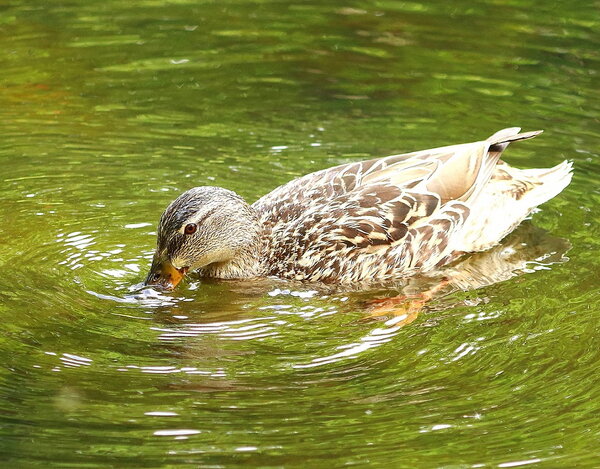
(164,274)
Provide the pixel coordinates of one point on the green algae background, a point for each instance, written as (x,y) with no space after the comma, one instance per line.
(109,109)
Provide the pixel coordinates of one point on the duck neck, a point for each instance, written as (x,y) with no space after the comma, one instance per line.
(247,263)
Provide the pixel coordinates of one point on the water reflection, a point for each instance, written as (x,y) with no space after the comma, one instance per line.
(264,309)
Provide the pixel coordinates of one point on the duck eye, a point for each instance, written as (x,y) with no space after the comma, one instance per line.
(190,228)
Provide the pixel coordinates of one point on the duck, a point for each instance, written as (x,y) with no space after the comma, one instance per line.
(370,221)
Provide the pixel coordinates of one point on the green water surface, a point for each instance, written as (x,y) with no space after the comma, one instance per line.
(109,109)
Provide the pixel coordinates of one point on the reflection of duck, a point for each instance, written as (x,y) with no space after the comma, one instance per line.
(370,221)
(527,249)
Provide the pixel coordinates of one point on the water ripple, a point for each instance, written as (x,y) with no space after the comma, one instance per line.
(110,110)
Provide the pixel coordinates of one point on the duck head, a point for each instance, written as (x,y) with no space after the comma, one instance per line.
(208,228)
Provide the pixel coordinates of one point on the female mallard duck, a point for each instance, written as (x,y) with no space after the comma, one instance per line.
(372,221)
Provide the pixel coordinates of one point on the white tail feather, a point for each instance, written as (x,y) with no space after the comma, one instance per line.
(554,180)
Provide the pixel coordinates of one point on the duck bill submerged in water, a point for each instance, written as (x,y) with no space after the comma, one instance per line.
(370,221)
(164,274)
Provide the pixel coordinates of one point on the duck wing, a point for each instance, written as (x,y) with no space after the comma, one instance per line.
(450,171)
(380,218)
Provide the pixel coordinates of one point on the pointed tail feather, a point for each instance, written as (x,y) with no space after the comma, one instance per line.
(553,180)
(464,175)
(500,140)
(497,144)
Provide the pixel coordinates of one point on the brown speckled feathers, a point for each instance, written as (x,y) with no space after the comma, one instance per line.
(396,216)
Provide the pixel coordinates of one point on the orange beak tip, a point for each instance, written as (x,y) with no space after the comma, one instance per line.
(165,275)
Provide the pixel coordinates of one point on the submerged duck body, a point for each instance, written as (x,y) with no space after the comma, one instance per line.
(369,221)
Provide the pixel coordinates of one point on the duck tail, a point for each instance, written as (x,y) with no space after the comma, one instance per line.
(552,182)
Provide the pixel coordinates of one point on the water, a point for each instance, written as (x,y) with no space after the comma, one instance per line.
(111,109)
